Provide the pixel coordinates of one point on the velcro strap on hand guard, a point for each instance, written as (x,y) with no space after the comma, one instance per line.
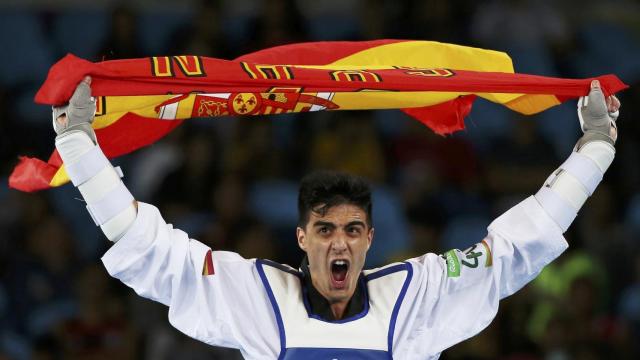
(602,153)
(89,164)
(558,209)
(584,169)
(570,189)
(115,227)
(114,202)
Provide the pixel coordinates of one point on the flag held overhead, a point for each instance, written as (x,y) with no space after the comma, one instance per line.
(141,100)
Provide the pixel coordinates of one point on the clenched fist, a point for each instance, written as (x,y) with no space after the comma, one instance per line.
(598,116)
(78,114)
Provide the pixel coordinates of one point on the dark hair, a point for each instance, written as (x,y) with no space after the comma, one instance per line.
(322,190)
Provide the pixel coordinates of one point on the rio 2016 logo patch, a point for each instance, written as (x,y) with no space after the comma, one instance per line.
(471,258)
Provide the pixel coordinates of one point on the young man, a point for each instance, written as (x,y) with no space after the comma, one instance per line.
(331,308)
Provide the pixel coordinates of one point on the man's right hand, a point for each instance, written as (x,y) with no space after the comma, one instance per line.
(78,114)
(598,116)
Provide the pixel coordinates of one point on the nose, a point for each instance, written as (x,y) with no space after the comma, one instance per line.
(339,243)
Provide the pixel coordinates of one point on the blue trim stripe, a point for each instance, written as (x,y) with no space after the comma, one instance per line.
(396,309)
(282,267)
(386,271)
(274,304)
(335,353)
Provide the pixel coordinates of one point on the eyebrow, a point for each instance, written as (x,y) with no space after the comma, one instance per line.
(320,223)
(356,223)
(324,223)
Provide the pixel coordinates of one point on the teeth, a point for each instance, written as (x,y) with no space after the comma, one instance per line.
(340,262)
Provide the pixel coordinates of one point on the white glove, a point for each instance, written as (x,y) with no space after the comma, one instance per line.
(78,114)
(598,116)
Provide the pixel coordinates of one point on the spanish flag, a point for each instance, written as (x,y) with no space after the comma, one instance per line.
(141,100)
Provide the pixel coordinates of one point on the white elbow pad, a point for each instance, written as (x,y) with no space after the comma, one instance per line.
(109,202)
(567,189)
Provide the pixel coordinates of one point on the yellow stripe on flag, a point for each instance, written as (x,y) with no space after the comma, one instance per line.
(430,54)
(118,106)
(390,99)
(60,178)
(532,103)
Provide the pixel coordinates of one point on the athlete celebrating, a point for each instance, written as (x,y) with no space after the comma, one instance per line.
(330,308)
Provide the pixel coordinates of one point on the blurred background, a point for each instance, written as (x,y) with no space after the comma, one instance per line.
(232,182)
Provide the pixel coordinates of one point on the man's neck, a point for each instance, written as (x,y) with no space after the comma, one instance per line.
(320,306)
(338,309)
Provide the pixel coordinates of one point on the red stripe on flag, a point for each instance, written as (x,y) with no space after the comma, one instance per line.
(32,174)
(444,118)
(132,132)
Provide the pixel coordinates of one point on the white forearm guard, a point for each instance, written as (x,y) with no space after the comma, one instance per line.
(109,202)
(567,189)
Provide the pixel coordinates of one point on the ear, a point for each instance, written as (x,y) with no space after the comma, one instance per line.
(370,237)
(302,238)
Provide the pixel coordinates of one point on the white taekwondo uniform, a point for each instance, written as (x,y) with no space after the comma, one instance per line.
(410,310)
(413,310)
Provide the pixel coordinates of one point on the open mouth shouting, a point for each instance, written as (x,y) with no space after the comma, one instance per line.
(339,273)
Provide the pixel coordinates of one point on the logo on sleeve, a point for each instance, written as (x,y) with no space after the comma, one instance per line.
(470,258)
(453,264)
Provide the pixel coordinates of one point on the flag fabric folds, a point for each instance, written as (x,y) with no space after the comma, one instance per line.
(141,100)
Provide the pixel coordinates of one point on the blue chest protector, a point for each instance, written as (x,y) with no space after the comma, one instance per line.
(304,335)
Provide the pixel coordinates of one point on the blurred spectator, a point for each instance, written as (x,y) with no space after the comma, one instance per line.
(252,152)
(341,145)
(519,164)
(122,41)
(330,19)
(601,231)
(515,27)
(626,170)
(38,278)
(151,165)
(190,183)
(373,19)
(47,347)
(437,20)
(228,204)
(6,129)
(571,315)
(279,23)
(202,36)
(100,330)
(537,48)
(440,178)
(255,241)
(629,306)
(452,159)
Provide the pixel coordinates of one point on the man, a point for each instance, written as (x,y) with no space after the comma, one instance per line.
(331,308)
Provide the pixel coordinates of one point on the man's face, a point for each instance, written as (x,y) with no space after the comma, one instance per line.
(336,245)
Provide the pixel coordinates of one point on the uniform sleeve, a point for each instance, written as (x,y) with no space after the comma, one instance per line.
(228,307)
(455,295)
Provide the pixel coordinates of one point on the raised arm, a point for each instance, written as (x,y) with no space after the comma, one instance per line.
(215,297)
(457,293)
(567,189)
(109,202)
